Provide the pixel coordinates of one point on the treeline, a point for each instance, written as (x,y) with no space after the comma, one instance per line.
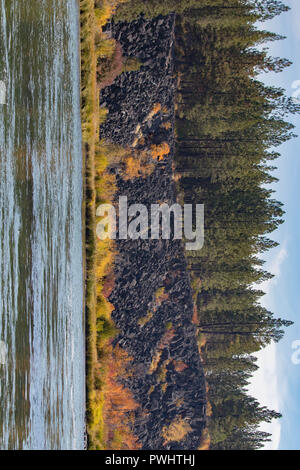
(227,121)
(264,9)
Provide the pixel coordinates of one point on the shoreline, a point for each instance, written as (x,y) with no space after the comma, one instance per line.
(83,229)
(101,372)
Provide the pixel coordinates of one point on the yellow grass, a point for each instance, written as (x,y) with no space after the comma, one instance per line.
(177,430)
(165,340)
(205,440)
(99,187)
(144,320)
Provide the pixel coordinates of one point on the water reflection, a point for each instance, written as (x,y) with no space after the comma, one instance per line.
(42,382)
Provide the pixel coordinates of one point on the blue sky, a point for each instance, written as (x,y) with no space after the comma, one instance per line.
(277,383)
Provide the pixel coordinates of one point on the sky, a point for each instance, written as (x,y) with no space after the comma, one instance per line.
(277,383)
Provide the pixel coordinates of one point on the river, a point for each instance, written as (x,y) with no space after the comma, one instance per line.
(42,338)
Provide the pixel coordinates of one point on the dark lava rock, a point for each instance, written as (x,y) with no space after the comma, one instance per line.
(167,335)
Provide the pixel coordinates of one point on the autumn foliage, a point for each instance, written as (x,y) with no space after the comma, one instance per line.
(137,165)
(109,403)
(164,341)
(180,366)
(119,404)
(160,151)
(109,69)
(205,440)
(176,431)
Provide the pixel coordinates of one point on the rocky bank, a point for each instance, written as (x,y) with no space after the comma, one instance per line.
(152,296)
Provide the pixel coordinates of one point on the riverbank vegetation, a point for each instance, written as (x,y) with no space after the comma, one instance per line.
(109,403)
(227,121)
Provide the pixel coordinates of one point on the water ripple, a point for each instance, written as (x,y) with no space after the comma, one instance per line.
(41,284)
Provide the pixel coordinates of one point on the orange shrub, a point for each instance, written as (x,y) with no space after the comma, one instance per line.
(119,404)
(205,440)
(180,366)
(160,151)
(165,340)
(137,167)
(156,108)
(195,315)
(166,125)
(109,69)
(108,286)
(160,296)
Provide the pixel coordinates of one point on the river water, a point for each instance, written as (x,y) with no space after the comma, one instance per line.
(42,375)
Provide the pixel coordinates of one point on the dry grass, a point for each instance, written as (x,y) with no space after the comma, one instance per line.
(144,320)
(177,430)
(90,126)
(132,64)
(160,296)
(103,370)
(205,440)
(165,340)
(137,166)
(179,366)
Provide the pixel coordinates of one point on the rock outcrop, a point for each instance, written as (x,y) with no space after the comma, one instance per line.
(152,295)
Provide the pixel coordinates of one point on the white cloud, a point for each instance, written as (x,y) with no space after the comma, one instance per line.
(294,17)
(264,385)
(274,267)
